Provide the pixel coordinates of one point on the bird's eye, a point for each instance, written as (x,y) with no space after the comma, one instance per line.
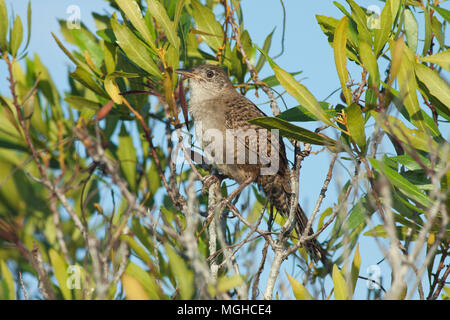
(210,74)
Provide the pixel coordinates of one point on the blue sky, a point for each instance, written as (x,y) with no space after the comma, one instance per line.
(306,49)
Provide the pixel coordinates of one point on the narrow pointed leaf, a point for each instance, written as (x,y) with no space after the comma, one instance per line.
(340,286)
(412,30)
(135,49)
(60,270)
(356,123)
(206,22)
(291,131)
(443,12)
(356,265)
(158,12)
(298,289)
(437,86)
(3,25)
(382,34)
(9,280)
(133,12)
(134,290)
(16,36)
(298,91)
(406,187)
(340,57)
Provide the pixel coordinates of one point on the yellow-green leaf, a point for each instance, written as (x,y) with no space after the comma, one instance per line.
(158,12)
(292,131)
(411,30)
(340,286)
(417,139)
(356,123)
(16,36)
(127,156)
(225,283)
(369,61)
(9,280)
(60,271)
(437,86)
(184,276)
(356,265)
(134,290)
(3,24)
(298,289)
(408,89)
(206,22)
(382,34)
(146,280)
(134,48)
(299,92)
(133,12)
(397,49)
(340,57)
(442,59)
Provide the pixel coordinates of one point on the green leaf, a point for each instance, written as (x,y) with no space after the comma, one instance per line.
(428,31)
(226,283)
(3,25)
(437,86)
(133,12)
(408,88)
(16,36)
(81,103)
(60,270)
(369,61)
(87,42)
(134,48)
(178,11)
(146,281)
(436,28)
(134,289)
(158,12)
(266,47)
(340,57)
(299,92)
(85,78)
(137,248)
(406,187)
(69,55)
(127,157)
(206,23)
(360,17)
(28,25)
(298,289)
(356,265)
(299,113)
(272,81)
(411,29)
(184,276)
(291,131)
(382,34)
(356,124)
(415,138)
(340,286)
(443,12)
(9,280)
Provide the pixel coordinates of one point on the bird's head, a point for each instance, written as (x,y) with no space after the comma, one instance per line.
(207,81)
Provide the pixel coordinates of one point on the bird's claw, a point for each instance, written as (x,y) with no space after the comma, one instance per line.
(209,180)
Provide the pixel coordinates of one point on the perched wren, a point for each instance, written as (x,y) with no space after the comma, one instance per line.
(238,149)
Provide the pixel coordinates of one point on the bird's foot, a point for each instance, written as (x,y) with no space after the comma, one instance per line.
(211,179)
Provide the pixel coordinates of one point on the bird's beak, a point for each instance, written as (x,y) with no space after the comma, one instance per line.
(188,73)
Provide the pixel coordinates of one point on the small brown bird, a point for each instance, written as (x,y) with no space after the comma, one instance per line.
(221,116)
